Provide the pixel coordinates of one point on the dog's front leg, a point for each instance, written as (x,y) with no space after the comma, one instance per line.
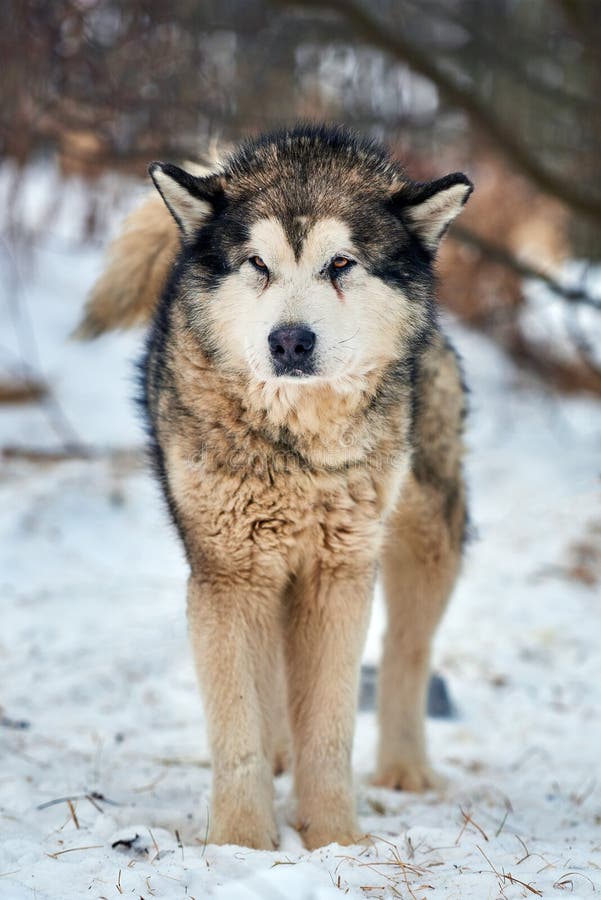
(326,627)
(234,628)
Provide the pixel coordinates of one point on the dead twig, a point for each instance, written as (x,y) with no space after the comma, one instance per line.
(566,882)
(22,391)
(179,842)
(74,850)
(92,796)
(155,845)
(73,813)
(470,821)
(502,825)
(503,876)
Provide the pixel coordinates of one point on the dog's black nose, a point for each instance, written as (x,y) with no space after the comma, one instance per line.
(292,349)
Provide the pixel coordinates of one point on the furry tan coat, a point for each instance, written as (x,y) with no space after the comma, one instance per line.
(305,414)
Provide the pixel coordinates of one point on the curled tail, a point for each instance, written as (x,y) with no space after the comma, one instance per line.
(139,263)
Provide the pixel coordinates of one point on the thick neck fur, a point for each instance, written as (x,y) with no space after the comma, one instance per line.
(325,421)
(328,424)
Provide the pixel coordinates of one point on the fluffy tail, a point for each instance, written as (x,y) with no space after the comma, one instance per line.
(139,263)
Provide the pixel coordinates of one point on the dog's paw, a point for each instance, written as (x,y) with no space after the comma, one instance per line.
(246,830)
(415,776)
(323,829)
(322,834)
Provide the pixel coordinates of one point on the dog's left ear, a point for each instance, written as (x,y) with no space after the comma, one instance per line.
(428,209)
(190,199)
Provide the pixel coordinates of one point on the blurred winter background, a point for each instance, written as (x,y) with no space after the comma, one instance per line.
(104,778)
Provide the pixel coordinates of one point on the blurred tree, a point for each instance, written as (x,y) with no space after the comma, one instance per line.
(448,83)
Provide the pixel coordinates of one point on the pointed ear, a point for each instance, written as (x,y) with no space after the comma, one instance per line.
(429,208)
(189,198)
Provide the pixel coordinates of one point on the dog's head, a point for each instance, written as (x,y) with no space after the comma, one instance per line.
(308,257)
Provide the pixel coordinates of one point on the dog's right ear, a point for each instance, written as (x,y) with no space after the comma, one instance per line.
(429,208)
(189,198)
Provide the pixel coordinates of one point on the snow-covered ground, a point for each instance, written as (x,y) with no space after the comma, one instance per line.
(95,664)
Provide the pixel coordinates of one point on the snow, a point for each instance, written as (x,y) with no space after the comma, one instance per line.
(94,654)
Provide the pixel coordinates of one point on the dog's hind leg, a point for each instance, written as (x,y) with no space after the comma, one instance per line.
(419,566)
(420,561)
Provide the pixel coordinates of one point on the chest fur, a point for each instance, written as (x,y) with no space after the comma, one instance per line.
(245,486)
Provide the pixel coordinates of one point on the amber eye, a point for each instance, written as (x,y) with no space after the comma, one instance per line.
(340,264)
(258,263)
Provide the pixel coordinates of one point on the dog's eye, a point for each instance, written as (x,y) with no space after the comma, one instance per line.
(258,263)
(340,264)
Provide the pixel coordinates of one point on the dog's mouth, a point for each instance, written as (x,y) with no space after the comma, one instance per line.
(295,374)
(272,371)
(309,373)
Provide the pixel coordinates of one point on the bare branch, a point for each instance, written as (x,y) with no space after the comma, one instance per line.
(502,256)
(396,44)
(508,62)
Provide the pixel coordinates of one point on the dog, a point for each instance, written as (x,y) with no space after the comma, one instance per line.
(305,414)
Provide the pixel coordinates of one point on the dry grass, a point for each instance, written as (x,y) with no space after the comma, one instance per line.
(396,875)
(58,853)
(506,877)
(22,391)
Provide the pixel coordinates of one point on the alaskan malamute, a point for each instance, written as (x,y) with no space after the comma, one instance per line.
(305,414)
